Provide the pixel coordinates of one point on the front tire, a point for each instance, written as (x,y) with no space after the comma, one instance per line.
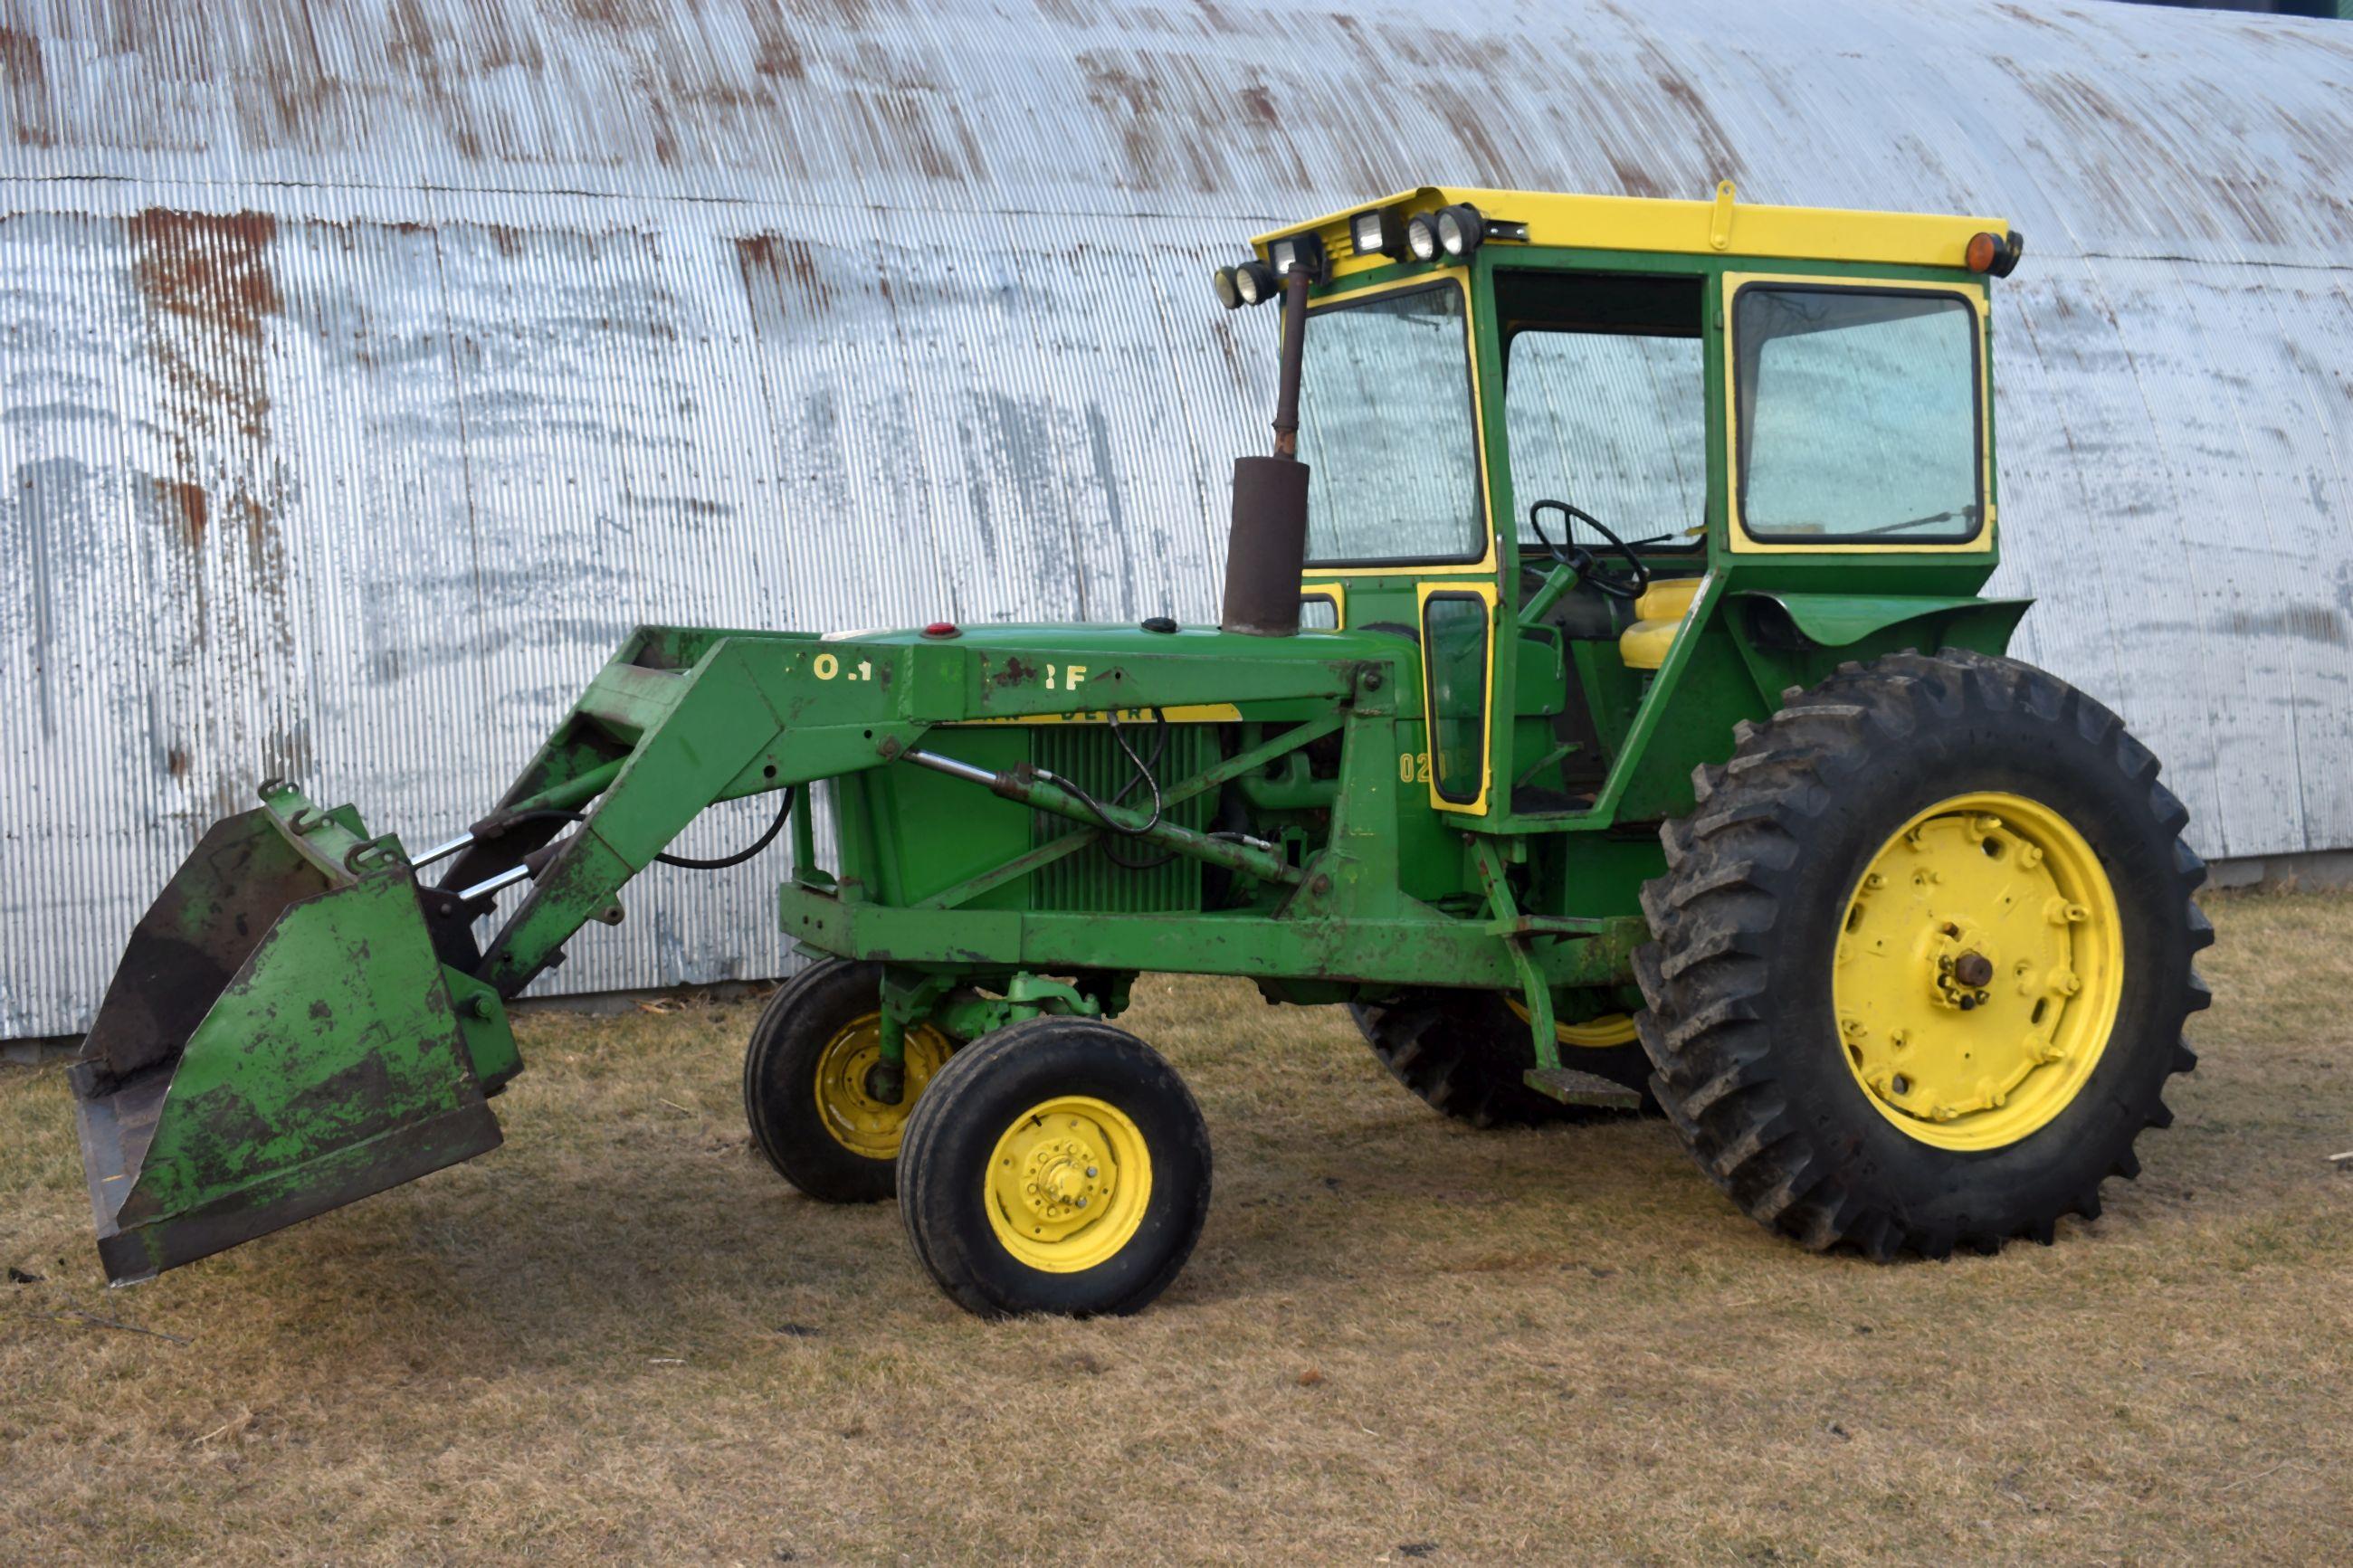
(1057,1165)
(805,1088)
(1922,957)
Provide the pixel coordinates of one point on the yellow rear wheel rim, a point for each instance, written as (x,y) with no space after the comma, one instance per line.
(1068,1184)
(1978,970)
(1595,1033)
(857,1121)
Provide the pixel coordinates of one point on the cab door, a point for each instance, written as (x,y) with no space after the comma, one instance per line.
(1458,664)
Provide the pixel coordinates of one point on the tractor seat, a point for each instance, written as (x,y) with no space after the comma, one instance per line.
(1658,615)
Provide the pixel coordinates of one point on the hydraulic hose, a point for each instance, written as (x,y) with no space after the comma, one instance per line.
(688,862)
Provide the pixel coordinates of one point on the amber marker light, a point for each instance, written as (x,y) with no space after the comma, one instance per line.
(1987,253)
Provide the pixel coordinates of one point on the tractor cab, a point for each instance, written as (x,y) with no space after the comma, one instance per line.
(1580,447)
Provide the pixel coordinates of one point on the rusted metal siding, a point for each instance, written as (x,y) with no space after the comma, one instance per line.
(370,368)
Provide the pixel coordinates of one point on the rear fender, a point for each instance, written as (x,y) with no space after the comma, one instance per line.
(1798,639)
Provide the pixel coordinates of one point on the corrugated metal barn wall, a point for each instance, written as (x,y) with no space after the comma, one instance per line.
(370,370)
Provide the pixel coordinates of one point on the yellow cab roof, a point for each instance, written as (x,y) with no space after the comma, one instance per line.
(1722,227)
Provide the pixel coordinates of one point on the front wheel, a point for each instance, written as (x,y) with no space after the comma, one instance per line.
(1057,1165)
(1922,957)
(809,1083)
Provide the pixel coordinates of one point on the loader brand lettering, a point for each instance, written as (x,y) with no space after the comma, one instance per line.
(826,667)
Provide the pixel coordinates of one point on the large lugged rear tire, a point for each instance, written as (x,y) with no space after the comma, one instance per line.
(1057,1165)
(1467,1054)
(1922,957)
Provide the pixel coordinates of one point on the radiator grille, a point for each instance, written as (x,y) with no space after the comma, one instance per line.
(1090,880)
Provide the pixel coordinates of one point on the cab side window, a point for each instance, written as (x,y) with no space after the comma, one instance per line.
(1857,414)
(1611,422)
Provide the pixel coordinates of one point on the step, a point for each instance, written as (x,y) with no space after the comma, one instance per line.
(1571,1087)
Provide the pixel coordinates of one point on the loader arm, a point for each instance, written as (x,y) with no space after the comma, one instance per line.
(681,718)
(658,743)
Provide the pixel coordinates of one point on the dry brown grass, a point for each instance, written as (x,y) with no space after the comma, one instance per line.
(621,1338)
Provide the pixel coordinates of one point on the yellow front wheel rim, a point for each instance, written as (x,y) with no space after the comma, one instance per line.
(1595,1033)
(1978,970)
(1068,1184)
(857,1121)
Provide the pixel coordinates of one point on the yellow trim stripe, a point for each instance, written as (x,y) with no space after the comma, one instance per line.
(1182,714)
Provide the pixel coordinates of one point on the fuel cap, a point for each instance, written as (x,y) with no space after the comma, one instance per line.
(1159,624)
(941,629)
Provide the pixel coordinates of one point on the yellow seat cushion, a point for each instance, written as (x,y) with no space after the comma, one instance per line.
(1658,616)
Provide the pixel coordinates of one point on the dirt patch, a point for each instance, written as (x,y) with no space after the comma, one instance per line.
(621,1338)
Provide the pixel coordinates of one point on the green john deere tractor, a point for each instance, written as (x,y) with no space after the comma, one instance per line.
(1603,708)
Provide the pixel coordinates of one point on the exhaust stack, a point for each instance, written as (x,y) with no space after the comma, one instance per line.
(1266,548)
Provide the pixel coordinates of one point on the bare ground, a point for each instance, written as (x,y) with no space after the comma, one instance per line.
(621,1338)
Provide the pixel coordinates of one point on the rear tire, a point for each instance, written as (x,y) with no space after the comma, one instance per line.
(804,1093)
(1057,1165)
(1812,1044)
(1466,1054)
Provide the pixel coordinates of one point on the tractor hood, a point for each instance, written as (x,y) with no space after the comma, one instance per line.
(1012,672)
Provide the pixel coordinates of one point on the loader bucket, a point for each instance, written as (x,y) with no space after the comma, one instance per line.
(278,1040)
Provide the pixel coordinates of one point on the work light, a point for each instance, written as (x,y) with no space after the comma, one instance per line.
(1460,230)
(1421,237)
(1376,233)
(1254,282)
(1222,281)
(1300,252)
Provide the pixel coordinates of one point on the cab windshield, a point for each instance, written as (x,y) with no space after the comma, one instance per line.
(1386,429)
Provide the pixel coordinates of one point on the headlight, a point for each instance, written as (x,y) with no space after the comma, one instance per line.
(1421,237)
(1460,230)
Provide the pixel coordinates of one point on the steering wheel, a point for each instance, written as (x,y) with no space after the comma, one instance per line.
(1583,561)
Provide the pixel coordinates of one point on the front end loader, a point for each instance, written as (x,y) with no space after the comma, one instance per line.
(1604,709)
